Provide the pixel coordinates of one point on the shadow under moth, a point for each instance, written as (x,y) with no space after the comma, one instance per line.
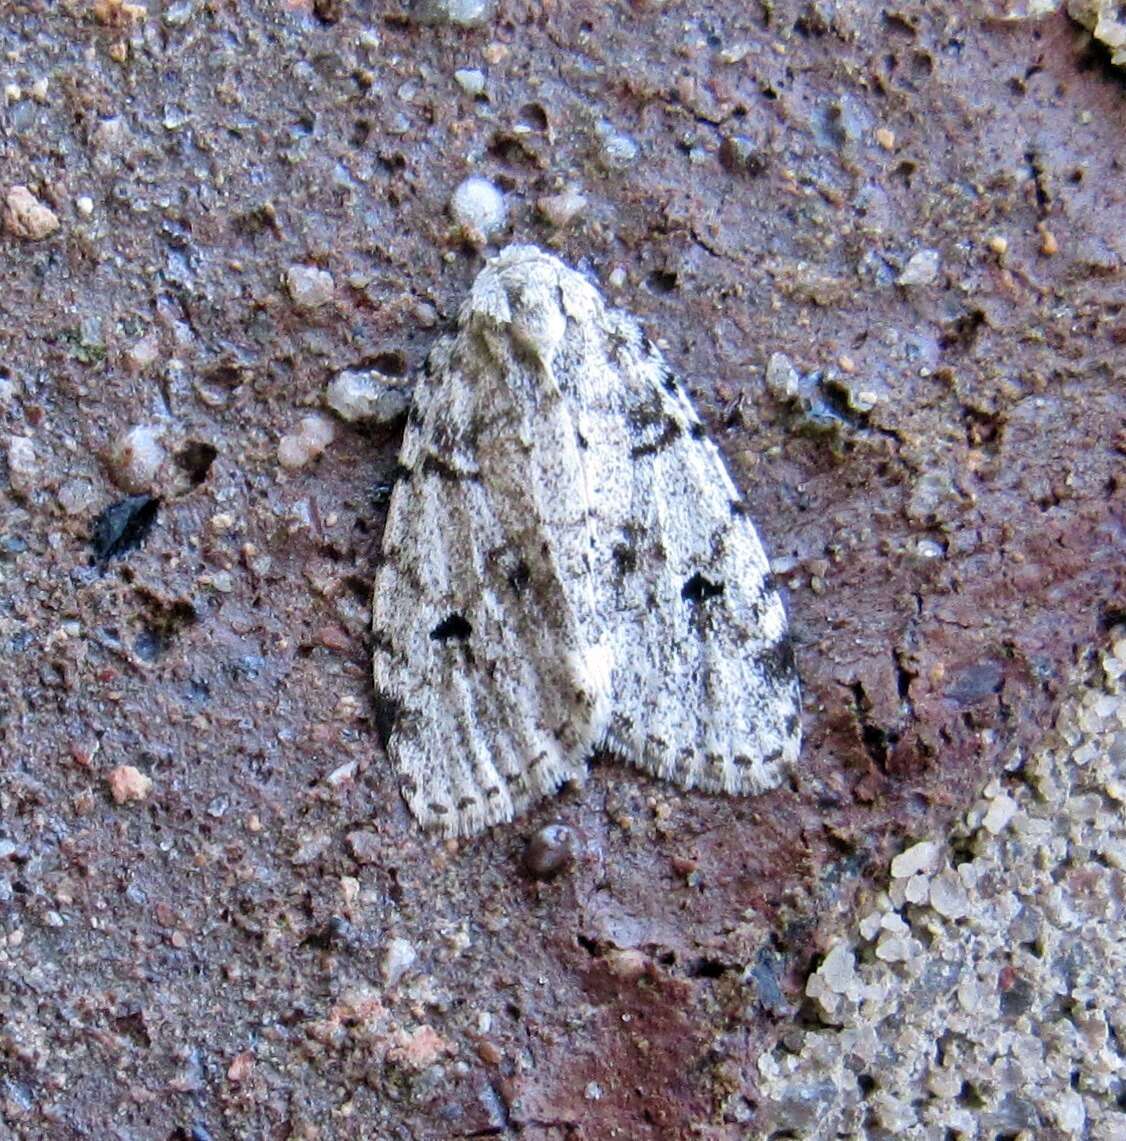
(568,567)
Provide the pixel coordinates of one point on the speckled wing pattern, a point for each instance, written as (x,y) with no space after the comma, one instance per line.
(568,566)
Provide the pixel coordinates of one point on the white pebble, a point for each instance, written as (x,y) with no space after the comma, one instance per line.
(84,205)
(921,268)
(561,209)
(368,395)
(948,895)
(479,207)
(23,466)
(839,968)
(922,857)
(76,496)
(618,151)
(781,376)
(1001,810)
(135,457)
(464,13)
(308,286)
(313,435)
(471,80)
(399,957)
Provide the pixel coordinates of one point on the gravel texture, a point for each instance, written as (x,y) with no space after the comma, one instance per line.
(983,991)
(884,247)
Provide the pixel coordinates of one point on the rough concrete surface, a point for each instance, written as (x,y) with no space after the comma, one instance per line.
(884,245)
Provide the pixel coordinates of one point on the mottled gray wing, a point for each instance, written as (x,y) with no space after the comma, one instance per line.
(491,692)
(705,691)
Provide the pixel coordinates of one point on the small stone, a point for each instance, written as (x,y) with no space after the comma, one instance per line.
(921,857)
(471,80)
(885,138)
(368,395)
(309,287)
(948,895)
(550,850)
(143,353)
(1001,810)
(84,205)
(241,1067)
(23,465)
(127,783)
(1048,243)
(419,1049)
(999,244)
(740,155)
(313,435)
(627,963)
(26,217)
(364,846)
(478,207)
(135,458)
(781,377)
(921,269)
(77,496)
(617,151)
(311,848)
(462,13)
(399,957)
(561,209)
(839,968)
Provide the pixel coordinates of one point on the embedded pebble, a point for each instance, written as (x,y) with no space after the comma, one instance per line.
(399,957)
(478,207)
(617,151)
(77,496)
(550,850)
(781,377)
(136,456)
(1001,810)
(368,395)
(309,287)
(561,209)
(127,783)
(23,465)
(26,217)
(921,857)
(948,895)
(314,434)
(462,13)
(471,80)
(921,269)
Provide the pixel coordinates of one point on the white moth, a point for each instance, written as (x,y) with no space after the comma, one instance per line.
(568,567)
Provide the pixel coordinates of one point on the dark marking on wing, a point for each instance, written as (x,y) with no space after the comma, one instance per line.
(625,559)
(520,577)
(452,629)
(698,431)
(386,716)
(433,465)
(669,434)
(777,662)
(699,589)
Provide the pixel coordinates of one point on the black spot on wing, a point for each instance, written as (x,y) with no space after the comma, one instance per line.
(699,589)
(520,577)
(452,629)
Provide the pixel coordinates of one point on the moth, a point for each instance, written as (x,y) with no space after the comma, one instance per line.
(568,567)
